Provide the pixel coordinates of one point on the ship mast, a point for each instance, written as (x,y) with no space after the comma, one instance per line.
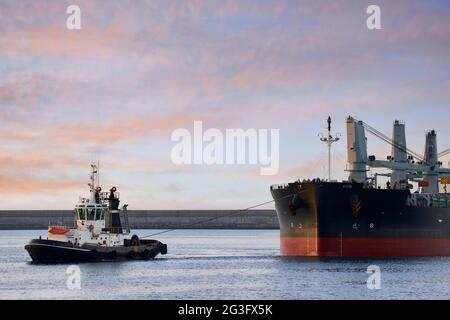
(329,140)
(93,178)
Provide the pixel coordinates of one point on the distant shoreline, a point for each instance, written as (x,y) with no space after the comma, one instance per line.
(148,219)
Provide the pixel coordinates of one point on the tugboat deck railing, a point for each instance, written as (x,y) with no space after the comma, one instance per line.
(116,230)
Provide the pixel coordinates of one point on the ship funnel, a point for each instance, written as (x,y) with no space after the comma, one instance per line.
(356,150)
(431,159)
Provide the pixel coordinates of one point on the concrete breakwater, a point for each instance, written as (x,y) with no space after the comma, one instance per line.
(148,219)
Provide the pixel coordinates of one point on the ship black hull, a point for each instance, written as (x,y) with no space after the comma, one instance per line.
(51,252)
(347,220)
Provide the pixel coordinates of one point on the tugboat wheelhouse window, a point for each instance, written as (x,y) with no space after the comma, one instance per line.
(90,213)
(105,212)
(100,213)
(81,214)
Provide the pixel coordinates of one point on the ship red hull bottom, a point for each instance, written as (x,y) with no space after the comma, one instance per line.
(364,247)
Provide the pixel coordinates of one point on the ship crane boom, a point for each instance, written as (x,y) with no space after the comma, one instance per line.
(385,138)
(444,153)
(400,162)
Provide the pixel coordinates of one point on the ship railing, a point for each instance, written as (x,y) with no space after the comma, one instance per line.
(429,200)
(124,218)
(104,196)
(440,201)
(278,186)
(61,226)
(122,230)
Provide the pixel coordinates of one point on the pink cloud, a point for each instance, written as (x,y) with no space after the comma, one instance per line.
(21,185)
(139,70)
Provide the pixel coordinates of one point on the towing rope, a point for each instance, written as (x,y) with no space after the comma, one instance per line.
(218,217)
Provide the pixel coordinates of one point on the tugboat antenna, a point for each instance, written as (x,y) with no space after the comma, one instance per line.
(329,140)
(98,173)
(94,179)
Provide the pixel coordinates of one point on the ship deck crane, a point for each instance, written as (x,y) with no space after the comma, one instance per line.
(385,138)
(428,168)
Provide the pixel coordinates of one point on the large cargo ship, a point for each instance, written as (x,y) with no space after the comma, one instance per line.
(406,216)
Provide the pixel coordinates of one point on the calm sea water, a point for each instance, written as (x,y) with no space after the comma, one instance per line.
(219,264)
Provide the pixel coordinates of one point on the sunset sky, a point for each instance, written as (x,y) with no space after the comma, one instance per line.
(116,89)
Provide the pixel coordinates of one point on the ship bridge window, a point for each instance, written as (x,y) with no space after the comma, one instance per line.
(104,213)
(90,213)
(81,213)
(100,213)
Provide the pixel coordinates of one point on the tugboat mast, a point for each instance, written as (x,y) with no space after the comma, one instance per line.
(329,140)
(92,185)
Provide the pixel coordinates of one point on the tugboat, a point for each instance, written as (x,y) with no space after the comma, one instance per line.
(98,233)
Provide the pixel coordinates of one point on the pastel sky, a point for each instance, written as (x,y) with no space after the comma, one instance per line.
(116,89)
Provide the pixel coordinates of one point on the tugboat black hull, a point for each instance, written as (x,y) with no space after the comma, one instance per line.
(51,252)
(324,219)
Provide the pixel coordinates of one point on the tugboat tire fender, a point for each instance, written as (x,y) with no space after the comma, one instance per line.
(135,240)
(163,248)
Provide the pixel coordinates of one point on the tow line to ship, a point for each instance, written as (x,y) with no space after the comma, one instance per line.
(222,216)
